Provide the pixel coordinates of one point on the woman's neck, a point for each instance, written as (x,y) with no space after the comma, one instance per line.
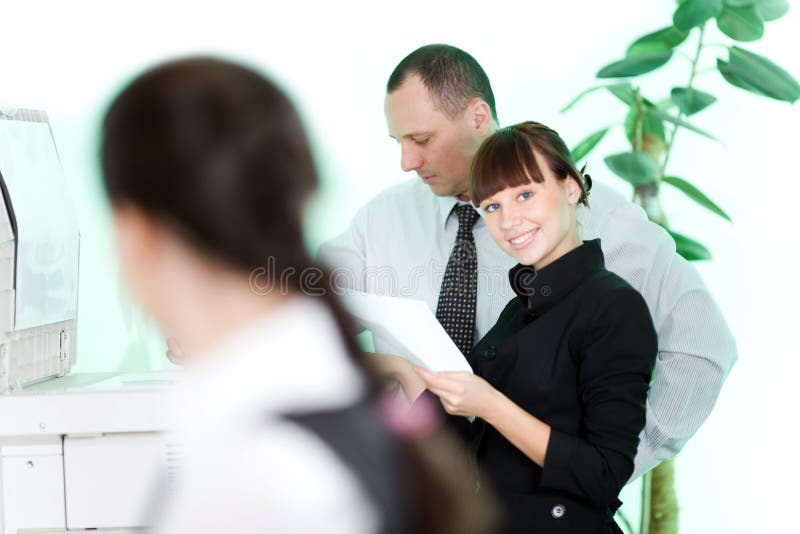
(570,242)
(205,305)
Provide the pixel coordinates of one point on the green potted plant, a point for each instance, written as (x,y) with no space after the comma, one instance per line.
(652,122)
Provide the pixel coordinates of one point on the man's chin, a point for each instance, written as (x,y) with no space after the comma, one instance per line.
(444,190)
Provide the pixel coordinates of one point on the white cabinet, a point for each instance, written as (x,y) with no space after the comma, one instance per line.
(32,483)
(82,452)
(110,479)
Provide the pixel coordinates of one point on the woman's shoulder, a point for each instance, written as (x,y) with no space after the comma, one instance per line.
(609,283)
(614,324)
(607,294)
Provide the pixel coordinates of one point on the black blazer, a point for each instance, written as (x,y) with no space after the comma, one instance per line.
(576,349)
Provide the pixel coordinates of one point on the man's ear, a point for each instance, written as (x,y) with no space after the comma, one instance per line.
(480,116)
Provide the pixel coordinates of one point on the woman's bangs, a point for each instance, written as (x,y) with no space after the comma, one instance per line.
(505,160)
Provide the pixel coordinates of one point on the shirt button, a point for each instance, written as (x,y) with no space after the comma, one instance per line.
(490,353)
(558,511)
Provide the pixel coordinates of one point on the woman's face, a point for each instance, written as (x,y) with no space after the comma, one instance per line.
(534,222)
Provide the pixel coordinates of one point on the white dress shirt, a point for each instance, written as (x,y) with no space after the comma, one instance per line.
(399,243)
(242,468)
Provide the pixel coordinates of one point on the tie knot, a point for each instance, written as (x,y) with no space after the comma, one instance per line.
(467,217)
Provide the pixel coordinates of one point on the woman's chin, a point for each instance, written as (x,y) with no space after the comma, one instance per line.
(525,257)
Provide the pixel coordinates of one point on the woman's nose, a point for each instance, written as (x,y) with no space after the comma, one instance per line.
(509,217)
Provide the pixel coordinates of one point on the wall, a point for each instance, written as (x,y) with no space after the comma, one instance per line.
(70,58)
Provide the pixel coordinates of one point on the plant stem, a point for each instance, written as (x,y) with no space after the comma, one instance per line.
(647,492)
(718,45)
(639,123)
(706,70)
(663,502)
(692,75)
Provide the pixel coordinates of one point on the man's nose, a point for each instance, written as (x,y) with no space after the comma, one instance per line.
(410,159)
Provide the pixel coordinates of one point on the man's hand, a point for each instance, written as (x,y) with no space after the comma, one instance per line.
(461,393)
(174,352)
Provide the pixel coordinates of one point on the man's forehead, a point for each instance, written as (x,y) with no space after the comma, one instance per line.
(409,109)
(409,123)
(408,118)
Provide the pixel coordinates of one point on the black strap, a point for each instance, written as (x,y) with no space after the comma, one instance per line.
(358,435)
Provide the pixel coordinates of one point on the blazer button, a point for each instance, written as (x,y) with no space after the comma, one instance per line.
(490,353)
(558,511)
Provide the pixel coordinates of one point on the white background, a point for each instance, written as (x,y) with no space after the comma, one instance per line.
(738,475)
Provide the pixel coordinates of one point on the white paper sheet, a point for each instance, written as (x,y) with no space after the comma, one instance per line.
(410,325)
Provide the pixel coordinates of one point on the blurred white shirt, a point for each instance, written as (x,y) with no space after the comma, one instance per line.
(240,467)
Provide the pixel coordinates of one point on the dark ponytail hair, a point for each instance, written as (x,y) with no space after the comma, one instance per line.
(218,153)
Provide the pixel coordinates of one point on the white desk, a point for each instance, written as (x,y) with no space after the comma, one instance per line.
(83,452)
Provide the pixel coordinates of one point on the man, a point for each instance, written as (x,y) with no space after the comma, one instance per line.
(439,107)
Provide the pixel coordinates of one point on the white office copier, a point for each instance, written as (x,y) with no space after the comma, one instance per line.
(77,451)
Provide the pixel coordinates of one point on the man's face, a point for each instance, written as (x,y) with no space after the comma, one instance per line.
(439,149)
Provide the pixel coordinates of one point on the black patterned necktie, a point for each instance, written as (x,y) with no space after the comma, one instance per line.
(459,292)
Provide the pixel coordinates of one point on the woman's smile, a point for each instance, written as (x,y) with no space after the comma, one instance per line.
(521,241)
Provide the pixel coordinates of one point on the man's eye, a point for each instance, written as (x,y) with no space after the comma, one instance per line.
(491,207)
(421,141)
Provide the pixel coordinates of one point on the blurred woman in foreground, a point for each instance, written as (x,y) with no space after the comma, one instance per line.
(208,168)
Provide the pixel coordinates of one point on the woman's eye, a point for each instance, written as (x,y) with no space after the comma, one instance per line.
(525,196)
(491,207)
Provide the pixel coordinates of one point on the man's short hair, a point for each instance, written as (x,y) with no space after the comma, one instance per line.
(452,78)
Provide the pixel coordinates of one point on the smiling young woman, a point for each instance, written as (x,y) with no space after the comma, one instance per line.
(527,187)
(561,380)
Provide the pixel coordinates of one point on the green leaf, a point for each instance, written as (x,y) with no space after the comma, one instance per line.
(771,9)
(587,145)
(623,91)
(658,41)
(635,65)
(759,75)
(665,104)
(627,94)
(690,101)
(738,3)
(687,247)
(732,78)
(695,194)
(693,13)
(651,125)
(741,23)
(663,115)
(636,167)
(591,90)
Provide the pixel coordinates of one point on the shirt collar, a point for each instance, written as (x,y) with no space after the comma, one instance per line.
(446,205)
(550,285)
